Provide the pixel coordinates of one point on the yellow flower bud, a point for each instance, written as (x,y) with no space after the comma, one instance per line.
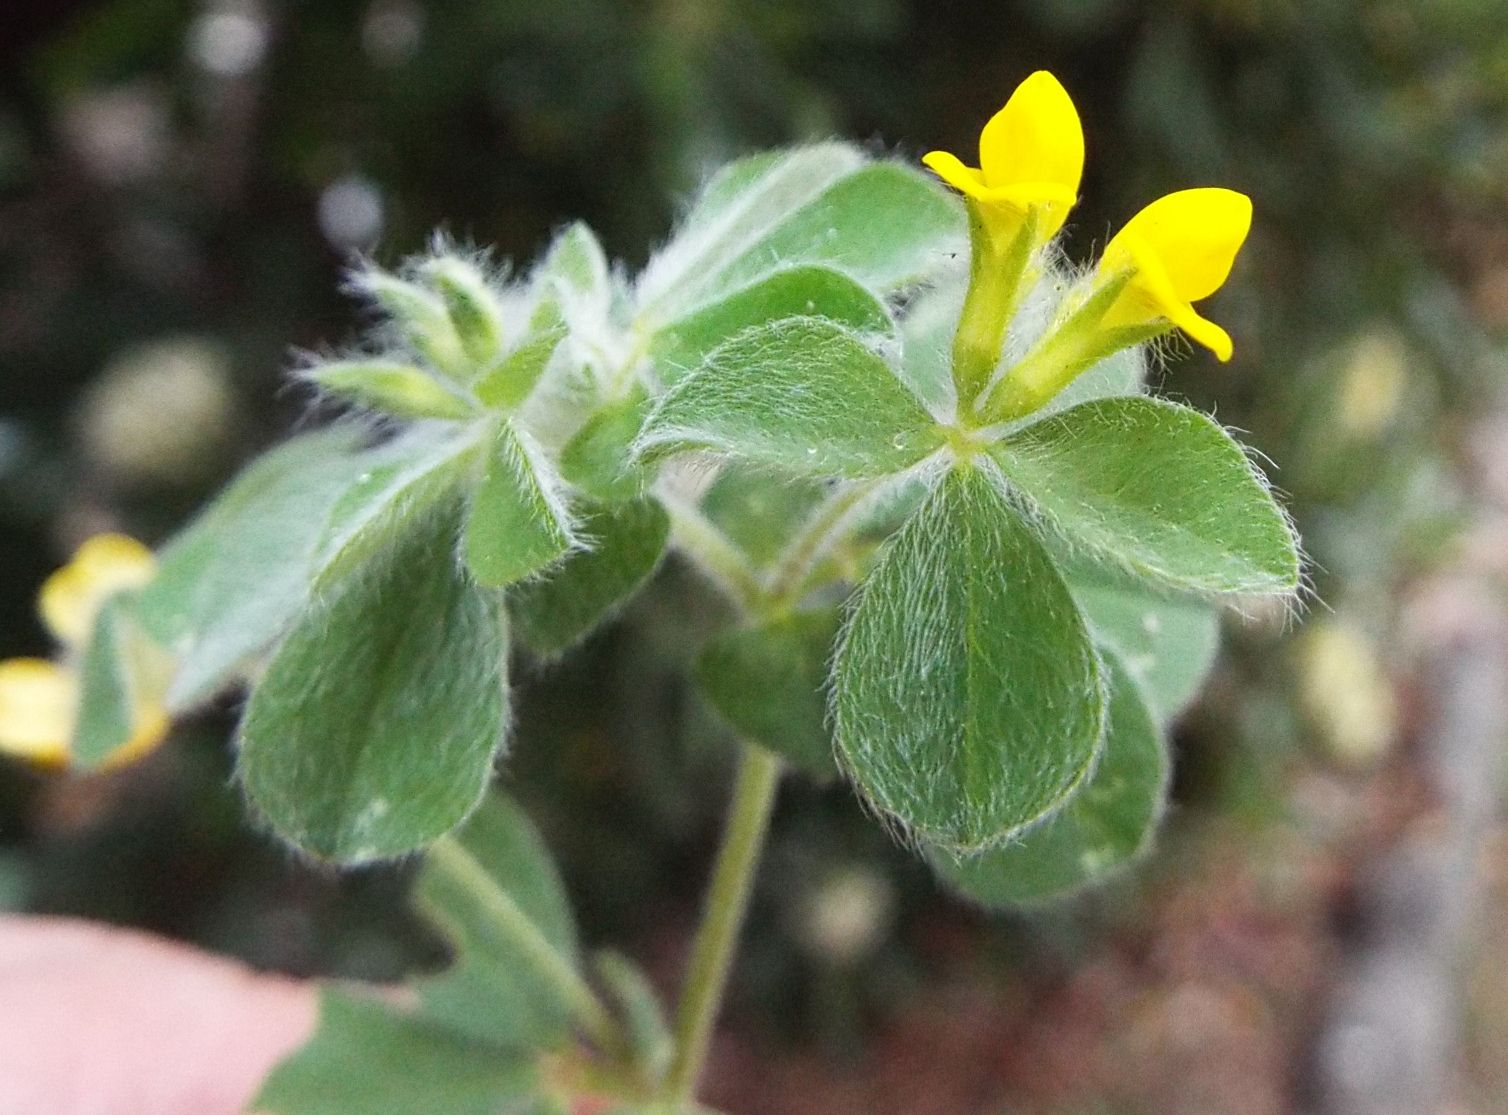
(39,699)
(103,566)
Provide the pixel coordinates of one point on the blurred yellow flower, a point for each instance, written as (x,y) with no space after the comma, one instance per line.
(39,698)
(1177,250)
(1031,155)
(104,565)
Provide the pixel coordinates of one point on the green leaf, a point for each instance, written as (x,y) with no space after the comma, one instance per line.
(927,331)
(731,186)
(1102,829)
(490,992)
(519,524)
(887,225)
(1168,644)
(572,281)
(374,728)
(883,224)
(405,479)
(1160,490)
(599,458)
(369,1057)
(509,383)
(397,389)
(795,291)
(108,698)
(739,208)
(644,1022)
(472,305)
(232,581)
(420,317)
(802,396)
(626,542)
(769,682)
(758,513)
(967,696)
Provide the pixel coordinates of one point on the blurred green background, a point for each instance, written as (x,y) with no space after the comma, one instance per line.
(182,183)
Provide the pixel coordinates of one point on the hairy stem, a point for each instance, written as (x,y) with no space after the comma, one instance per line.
(595,1020)
(816,536)
(709,549)
(722,917)
(998,276)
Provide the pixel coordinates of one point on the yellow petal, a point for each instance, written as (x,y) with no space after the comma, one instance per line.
(951,169)
(38,700)
(1206,332)
(1036,137)
(1193,234)
(151,728)
(103,566)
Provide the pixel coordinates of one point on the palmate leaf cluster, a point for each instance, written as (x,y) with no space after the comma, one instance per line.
(771,398)
(986,632)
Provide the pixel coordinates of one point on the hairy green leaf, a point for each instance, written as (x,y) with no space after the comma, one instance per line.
(519,524)
(472,305)
(232,581)
(491,992)
(1160,490)
(599,459)
(420,317)
(681,347)
(403,480)
(802,396)
(509,382)
(398,389)
(625,542)
(572,281)
(1103,828)
(887,224)
(370,1057)
(374,728)
(757,512)
(769,683)
(927,331)
(1168,644)
(884,224)
(739,208)
(967,696)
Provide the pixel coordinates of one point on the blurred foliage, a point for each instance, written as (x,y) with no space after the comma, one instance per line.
(182,181)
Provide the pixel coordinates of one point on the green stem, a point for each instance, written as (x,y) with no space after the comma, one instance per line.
(710,549)
(1067,349)
(997,279)
(595,1020)
(722,917)
(801,556)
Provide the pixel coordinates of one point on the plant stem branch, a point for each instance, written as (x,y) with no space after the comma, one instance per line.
(817,534)
(998,276)
(723,917)
(711,551)
(596,1021)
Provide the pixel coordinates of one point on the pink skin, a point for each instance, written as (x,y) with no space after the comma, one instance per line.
(102,1021)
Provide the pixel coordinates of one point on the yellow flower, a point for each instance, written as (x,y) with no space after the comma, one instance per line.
(1177,250)
(39,698)
(1031,154)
